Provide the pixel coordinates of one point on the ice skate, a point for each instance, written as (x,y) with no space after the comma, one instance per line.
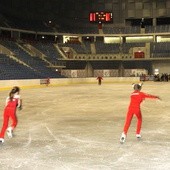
(138,136)
(9,132)
(1,140)
(122,138)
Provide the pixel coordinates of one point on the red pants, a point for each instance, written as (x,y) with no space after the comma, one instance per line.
(129,117)
(9,112)
(99,82)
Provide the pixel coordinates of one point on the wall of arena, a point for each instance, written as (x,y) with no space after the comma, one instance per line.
(37,83)
(162,66)
(103,73)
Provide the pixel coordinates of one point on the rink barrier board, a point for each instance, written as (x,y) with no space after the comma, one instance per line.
(35,83)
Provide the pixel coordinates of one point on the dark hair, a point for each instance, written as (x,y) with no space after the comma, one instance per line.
(14,90)
(137,87)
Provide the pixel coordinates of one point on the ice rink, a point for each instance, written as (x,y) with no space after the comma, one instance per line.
(78,127)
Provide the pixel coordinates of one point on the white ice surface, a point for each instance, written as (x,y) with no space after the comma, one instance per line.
(78,128)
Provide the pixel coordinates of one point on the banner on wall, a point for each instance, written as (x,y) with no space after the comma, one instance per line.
(139,52)
(81,73)
(98,73)
(106,73)
(74,73)
(138,72)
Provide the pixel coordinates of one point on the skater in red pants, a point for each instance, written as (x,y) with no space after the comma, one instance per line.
(13,102)
(134,109)
(48,81)
(99,78)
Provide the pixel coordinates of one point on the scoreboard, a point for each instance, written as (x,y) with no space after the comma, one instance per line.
(100,17)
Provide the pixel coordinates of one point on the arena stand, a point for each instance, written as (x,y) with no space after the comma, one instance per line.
(46,56)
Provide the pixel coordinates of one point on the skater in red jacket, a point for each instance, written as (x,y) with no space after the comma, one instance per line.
(134,109)
(99,78)
(13,102)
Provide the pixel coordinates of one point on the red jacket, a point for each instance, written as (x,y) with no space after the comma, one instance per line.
(99,78)
(137,97)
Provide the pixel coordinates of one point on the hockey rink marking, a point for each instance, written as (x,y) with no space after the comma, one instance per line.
(55,138)
(29,140)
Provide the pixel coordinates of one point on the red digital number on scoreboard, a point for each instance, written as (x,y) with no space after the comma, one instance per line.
(103,17)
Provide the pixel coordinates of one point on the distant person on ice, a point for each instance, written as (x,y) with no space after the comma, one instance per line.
(99,78)
(48,81)
(134,109)
(13,102)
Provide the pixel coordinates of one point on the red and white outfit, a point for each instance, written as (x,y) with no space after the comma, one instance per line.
(134,109)
(10,112)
